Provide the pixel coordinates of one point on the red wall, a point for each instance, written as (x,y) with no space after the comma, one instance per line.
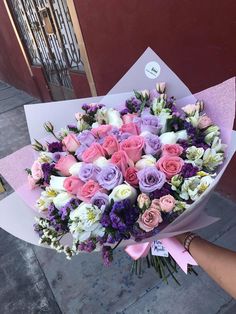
(13,68)
(196,38)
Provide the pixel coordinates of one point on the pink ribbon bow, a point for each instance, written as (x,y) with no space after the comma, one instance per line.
(175,249)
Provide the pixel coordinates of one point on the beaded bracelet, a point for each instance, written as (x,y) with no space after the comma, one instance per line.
(188,239)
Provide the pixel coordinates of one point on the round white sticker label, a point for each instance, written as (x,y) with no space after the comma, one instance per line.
(152,70)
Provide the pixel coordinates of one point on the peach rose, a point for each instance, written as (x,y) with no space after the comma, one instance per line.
(170,165)
(36,171)
(122,161)
(167,203)
(133,147)
(111,144)
(64,164)
(150,219)
(93,152)
(102,130)
(130,128)
(73,184)
(204,122)
(88,190)
(172,150)
(71,143)
(131,176)
(129,117)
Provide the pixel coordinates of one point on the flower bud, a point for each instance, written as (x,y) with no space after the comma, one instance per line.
(145,93)
(161,87)
(38,146)
(200,105)
(48,127)
(143,201)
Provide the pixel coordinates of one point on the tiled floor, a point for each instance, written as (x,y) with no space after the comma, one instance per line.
(38,280)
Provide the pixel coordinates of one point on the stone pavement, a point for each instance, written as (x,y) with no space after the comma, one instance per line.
(38,280)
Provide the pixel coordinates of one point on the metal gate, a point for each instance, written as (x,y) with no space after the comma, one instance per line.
(46,29)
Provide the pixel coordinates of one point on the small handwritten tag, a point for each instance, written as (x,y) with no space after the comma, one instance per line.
(158,249)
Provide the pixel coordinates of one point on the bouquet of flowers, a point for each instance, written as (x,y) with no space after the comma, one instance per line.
(127,174)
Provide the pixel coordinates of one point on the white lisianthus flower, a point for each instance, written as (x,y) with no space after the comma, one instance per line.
(210,133)
(74,169)
(101,162)
(182,135)
(217,145)
(145,161)
(212,159)
(194,187)
(157,105)
(194,119)
(123,191)
(61,199)
(176,182)
(43,203)
(168,138)
(57,183)
(163,116)
(114,118)
(63,132)
(194,153)
(86,222)
(49,193)
(101,116)
(180,206)
(45,157)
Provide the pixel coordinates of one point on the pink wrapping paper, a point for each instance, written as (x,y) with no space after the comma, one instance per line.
(17,217)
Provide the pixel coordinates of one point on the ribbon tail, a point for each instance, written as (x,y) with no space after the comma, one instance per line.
(179,254)
(138,250)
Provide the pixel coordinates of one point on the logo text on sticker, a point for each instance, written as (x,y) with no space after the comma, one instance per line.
(158,249)
(152,69)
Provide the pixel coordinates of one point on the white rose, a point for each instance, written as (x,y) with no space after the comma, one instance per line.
(95,125)
(61,199)
(57,183)
(101,162)
(114,118)
(182,135)
(123,191)
(168,138)
(74,170)
(145,161)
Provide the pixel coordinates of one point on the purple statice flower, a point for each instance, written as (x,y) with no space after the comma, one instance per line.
(80,151)
(65,210)
(88,171)
(191,130)
(189,170)
(150,179)
(85,107)
(55,147)
(150,123)
(133,105)
(107,255)
(123,215)
(55,219)
(109,177)
(91,109)
(124,111)
(87,246)
(165,190)
(86,137)
(47,171)
(114,237)
(152,144)
(101,200)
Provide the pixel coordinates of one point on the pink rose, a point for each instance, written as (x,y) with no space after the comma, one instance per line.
(167,203)
(172,150)
(130,128)
(129,117)
(88,190)
(150,219)
(93,152)
(204,122)
(170,165)
(64,164)
(111,144)
(73,184)
(102,130)
(122,161)
(71,143)
(32,182)
(131,176)
(133,147)
(36,171)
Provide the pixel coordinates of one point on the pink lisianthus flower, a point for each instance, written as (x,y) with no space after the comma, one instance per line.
(36,171)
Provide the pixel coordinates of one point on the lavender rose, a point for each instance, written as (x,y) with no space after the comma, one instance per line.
(109,177)
(80,151)
(88,171)
(101,200)
(152,145)
(150,123)
(86,137)
(150,179)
